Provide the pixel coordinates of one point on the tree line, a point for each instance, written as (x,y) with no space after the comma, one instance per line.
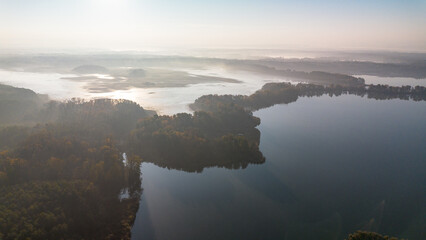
(277,93)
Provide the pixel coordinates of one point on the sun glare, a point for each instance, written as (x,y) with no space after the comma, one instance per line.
(108,7)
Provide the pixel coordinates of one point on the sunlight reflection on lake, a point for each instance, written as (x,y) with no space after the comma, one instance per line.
(166,100)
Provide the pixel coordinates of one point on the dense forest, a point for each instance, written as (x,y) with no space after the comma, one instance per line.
(55,186)
(226,137)
(363,235)
(66,177)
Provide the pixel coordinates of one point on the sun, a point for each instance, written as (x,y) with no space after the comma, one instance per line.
(109,6)
(108,13)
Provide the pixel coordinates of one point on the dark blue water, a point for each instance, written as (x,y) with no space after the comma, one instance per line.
(333,166)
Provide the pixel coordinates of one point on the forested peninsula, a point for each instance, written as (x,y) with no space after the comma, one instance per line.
(284,93)
(71,170)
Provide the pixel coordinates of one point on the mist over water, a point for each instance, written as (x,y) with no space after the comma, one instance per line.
(44,83)
(212,120)
(165,100)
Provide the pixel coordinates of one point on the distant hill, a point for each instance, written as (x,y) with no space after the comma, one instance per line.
(137,73)
(315,77)
(411,70)
(90,69)
(17,104)
(13,94)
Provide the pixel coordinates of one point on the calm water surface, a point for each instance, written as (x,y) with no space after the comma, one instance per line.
(333,165)
(394,81)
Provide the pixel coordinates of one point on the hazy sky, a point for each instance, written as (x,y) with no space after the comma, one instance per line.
(139,24)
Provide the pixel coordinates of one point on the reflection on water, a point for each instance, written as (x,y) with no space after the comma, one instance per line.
(393,81)
(101,76)
(166,100)
(44,83)
(333,165)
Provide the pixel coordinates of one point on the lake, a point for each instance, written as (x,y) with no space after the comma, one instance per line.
(164,100)
(333,165)
(393,81)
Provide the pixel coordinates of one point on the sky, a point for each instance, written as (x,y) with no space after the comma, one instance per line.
(397,25)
